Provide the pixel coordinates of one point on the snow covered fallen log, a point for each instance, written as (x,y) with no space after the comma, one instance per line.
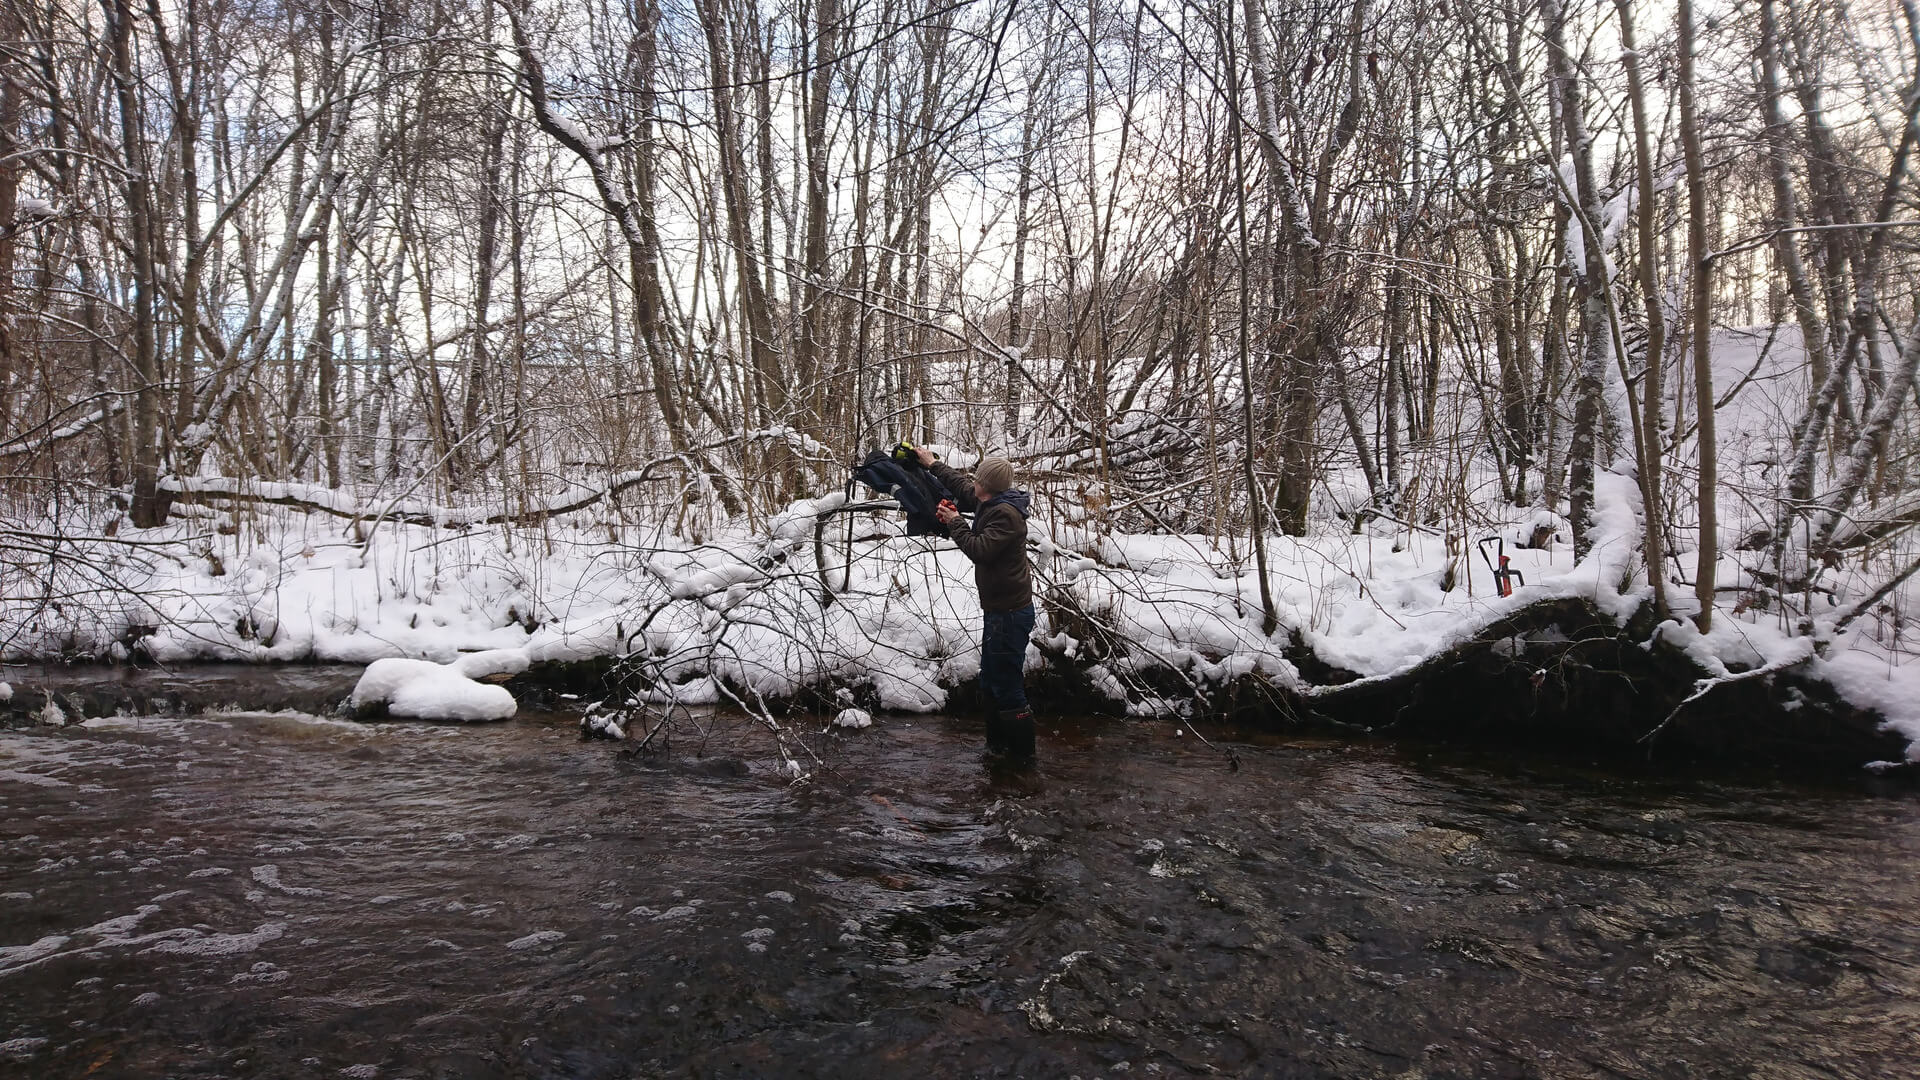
(221,490)
(1564,673)
(313,497)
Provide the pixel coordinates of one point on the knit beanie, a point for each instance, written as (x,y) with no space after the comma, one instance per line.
(995,474)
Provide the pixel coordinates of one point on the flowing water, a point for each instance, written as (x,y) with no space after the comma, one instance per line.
(245,894)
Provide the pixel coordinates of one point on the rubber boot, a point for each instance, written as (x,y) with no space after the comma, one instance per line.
(997,744)
(1012,771)
(1016,733)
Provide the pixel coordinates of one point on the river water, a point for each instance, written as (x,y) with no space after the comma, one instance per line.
(244,894)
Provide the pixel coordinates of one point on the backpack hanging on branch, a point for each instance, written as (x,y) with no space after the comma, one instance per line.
(897,474)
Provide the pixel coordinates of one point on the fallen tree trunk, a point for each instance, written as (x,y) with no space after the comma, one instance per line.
(1558,674)
(1561,674)
(314,498)
(220,490)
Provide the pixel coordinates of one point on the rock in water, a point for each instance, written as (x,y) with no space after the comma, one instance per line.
(424,690)
(853,718)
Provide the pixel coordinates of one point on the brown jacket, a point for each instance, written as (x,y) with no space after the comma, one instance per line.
(998,546)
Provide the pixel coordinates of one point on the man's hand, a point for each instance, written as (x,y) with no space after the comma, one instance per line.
(926,455)
(945,511)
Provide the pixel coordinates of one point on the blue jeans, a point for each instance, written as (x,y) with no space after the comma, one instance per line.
(1003,657)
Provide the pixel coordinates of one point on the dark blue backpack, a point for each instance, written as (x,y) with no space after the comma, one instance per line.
(913,487)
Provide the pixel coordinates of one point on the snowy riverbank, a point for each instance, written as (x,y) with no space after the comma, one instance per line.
(1155,624)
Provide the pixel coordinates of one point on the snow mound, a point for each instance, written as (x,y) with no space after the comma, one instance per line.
(853,718)
(424,690)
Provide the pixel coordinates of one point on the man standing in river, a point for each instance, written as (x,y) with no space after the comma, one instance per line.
(996,542)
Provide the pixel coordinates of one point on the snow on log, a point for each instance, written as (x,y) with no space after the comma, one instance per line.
(492,664)
(796,522)
(707,581)
(315,497)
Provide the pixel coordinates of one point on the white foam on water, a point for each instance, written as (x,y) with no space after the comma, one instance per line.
(535,940)
(269,875)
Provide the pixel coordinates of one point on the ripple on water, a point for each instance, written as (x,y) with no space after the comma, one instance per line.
(1327,910)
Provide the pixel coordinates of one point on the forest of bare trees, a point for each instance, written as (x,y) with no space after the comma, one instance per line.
(1216,267)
